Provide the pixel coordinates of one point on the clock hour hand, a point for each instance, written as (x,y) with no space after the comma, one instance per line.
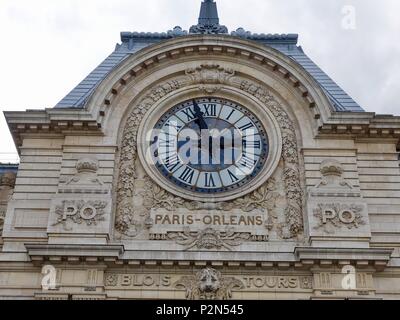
(200,118)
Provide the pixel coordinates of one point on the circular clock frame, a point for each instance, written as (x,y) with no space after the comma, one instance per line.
(160,108)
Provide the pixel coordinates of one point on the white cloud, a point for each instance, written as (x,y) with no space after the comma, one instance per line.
(49,46)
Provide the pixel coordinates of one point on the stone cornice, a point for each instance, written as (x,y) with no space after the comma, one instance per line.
(361,125)
(54,121)
(74,253)
(362,257)
(302,258)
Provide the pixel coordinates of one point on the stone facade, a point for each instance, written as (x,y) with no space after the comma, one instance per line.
(88,220)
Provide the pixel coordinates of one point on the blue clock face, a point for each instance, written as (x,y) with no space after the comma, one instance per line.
(209,145)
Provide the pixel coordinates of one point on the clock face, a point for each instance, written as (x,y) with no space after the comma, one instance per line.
(209,145)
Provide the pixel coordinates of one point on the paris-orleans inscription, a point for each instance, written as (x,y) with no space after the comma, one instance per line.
(150,219)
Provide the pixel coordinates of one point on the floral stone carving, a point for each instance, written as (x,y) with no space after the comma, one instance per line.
(336,216)
(209,284)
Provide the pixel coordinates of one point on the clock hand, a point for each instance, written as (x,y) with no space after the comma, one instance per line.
(200,118)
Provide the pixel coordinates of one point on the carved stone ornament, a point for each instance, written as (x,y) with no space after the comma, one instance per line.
(8,179)
(290,155)
(87,165)
(332,175)
(130,220)
(85,180)
(336,216)
(80,212)
(2,218)
(209,239)
(209,284)
(111,280)
(207,75)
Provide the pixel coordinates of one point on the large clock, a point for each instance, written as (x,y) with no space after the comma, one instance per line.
(210,148)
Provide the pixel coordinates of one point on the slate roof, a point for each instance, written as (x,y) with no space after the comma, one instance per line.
(132,42)
(6,167)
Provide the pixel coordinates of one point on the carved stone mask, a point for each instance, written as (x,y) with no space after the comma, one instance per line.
(209,281)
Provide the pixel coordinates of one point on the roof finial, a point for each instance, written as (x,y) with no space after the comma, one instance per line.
(208,19)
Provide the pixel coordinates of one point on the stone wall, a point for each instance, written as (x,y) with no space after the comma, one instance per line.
(81,220)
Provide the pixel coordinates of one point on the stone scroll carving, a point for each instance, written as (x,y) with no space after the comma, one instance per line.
(209,284)
(209,238)
(133,221)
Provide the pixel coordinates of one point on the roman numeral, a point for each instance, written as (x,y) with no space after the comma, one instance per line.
(189,114)
(172,162)
(231,114)
(209,180)
(187,175)
(211,110)
(233,177)
(247,162)
(173,124)
(247,126)
(251,144)
(166,143)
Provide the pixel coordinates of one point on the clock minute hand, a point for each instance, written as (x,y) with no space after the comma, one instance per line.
(200,118)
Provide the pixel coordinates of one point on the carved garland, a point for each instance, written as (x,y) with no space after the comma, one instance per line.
(290,155)
(2,217)
(156,197)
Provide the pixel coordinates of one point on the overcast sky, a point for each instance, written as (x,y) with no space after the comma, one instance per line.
(48,46)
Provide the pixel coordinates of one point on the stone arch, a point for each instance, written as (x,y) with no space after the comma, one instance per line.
(127,222)
(136,69)
(141,80)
